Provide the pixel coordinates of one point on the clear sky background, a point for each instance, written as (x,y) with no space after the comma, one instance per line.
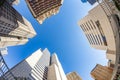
(60,34)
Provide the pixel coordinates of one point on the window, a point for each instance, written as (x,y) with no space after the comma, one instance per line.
(92,23)
(101,32)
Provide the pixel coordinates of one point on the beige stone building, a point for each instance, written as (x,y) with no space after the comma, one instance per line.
(100,27)
(42,9)
(73,76)
(102,72)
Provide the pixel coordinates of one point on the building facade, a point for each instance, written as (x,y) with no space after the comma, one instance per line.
(41,9)
(73,76)
(38,66)
(102,72)
(55,60)
(99,28)
(14,28)
(13,2)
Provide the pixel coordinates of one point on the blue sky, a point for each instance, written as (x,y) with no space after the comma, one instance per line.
(60,34)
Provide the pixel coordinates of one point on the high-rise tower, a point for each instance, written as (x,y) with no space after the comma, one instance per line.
(14,28)
(39,66)
(99,28)
(42,9)
(35,67)
(55,60)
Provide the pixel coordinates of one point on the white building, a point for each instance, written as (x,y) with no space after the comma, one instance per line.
(39,66)
(56,64)
(14,28)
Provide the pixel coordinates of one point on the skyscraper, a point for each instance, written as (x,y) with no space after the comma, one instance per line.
(42,9)
(73,76)
(4,68)
(99,28)
(101,72)
(14,28)
(54,60)
(39,66)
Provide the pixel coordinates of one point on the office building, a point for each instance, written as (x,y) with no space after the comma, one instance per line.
(100,29)
(3,67)
(13,2)
(54,60)
(73,76)
(102,72)
(14,28)
(39,66)
(42,9)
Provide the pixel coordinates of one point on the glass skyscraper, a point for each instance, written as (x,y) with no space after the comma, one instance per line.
(39,66)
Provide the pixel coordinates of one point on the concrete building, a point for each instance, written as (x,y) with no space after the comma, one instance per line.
(73,76)
(14,28)
(98,28)
(41,9)
(101,27)
(39,66)
(102,72)
(55,60)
